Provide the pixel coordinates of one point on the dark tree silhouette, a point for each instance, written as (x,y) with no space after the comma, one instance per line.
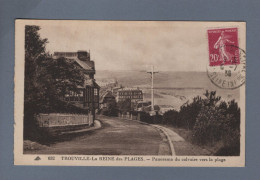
(47,80)
(124,106)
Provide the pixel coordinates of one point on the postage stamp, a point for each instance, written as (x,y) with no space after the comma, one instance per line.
(221,42)
(227,62)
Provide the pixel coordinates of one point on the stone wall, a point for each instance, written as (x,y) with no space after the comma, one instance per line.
(56,119)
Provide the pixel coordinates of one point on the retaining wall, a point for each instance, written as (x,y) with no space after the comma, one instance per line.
(57,120)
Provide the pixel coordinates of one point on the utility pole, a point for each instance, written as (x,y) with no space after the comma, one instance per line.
(152,72)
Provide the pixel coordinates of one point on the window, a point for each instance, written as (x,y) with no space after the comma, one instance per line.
(95,91)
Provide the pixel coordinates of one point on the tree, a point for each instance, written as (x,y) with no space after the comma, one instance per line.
(218,122)
(64,76)
(46,80)
(34,52)
(125,106)
(171,117)
(111,109)
(189,112)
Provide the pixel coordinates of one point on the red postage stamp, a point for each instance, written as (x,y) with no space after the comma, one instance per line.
(223,47)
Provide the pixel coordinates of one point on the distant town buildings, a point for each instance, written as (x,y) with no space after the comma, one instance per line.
(143,106)
(115,90)
(134,94)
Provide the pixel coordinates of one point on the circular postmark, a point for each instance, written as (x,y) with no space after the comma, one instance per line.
(231,74)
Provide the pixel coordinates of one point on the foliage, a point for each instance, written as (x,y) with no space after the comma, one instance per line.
(171,117)
(209,125)
(124,106)
(111,109)
(189,112)
(145,117)
(218,122)
(211,120)
(46,80)
(186,117)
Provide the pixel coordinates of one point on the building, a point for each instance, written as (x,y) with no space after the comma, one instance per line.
(82,58)
(143,105)
(89,93)
(134,94)
(107,99)
(116,89)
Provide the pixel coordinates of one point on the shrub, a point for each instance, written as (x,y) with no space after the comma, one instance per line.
(110,109)
(187,115)
(218,123)
(145,117)
(125,106)
(212,122)
(189,112)
(171,117)
(208,128)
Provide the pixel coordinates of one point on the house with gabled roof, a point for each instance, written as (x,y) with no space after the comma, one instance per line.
(89,93)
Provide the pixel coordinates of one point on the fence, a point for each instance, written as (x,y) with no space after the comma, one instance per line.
(142,116)
(129,116)
(55,120)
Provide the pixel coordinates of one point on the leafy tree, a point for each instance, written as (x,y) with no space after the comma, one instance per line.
(125,106)
(211,120)
(231,130)
(171,117)
(46,80)
(209,125)
(211,98)
(111,109)
(34,53)
(218,122)
(189,112)
(234,110)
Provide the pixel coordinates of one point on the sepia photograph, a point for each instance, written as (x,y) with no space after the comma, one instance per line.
(129,93)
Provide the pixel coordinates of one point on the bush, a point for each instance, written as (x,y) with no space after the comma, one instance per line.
(218,123)
(110,109)
(171,117)
(145,117)
(208,128)
(212,122)
(124,106)
(109,112)
(187,115)
(189,112)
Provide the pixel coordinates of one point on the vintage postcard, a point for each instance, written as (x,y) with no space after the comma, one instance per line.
(130,93)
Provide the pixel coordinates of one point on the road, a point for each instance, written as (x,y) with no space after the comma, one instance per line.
(116,137)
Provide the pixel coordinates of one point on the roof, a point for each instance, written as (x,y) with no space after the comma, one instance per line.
(107,94)
(91,83)
(85,64)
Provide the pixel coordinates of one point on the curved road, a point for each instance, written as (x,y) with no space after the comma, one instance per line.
(116,137)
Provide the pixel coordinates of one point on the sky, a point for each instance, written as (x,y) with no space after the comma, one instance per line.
(133,45)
